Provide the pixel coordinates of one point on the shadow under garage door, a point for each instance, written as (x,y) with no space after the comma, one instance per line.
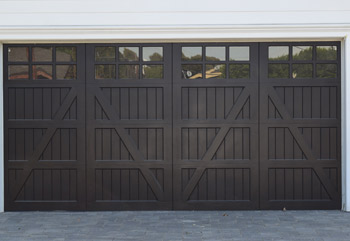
(172,126)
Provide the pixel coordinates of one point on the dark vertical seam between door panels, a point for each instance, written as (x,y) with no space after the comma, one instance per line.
(86,134)
(258,105)
(171,46)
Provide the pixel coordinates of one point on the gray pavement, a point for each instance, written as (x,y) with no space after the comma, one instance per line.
(176,225)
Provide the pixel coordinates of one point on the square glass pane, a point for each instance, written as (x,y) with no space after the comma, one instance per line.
(105,54)
(129,71)
(192,71)
(278,53)
(215,53)
(191,54)
(105,71)
(326,52)
(18,72)
(42,54)
(42,72)
(215,71)
(302,52)
(129,53)
(152,53)
(152,71)
(239,53)
(239,71)
(326,70)
(278,71)
(302,71)
(66,54)
(66,71)
(18,54)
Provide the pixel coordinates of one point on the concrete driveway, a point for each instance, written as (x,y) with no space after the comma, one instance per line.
(176,225)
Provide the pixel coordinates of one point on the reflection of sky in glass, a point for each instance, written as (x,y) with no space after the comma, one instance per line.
(191,51)
(327,47)
(149,51)
(298,49)
(239,53)
(135,50)
(216,52)
(278,51)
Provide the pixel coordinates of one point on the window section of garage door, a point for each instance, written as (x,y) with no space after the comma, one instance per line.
(172,126)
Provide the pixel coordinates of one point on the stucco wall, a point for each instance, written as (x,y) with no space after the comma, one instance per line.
(179,12)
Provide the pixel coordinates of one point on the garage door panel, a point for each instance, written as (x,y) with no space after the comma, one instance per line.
(129,143)
(214,154)
(45,129)
(299,126)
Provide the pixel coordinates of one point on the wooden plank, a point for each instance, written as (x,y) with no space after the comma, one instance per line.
(246,184)
(202,103)
(220,184)
(116,184)
(107,185)
(65,180)
(212,184)
(193,103)
(238,184)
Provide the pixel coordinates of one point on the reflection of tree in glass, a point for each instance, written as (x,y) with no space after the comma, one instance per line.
(305,70)
(128,55)
(304,54)
(278,70)
(326,71)
(105,71)
(66,54)
(105,53)
(279,58)
(302,71)
(239,71)
(128,71)
(197,57)
(326,53)
(152,71)
(155,57)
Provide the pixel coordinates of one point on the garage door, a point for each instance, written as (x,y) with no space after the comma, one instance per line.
(172,126)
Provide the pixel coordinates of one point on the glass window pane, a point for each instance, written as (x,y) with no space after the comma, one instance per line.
(42,54)
(277,53)
(302,52)
(128,71)
(18,54)
(239,71)
(105,71)
(42,71)
(66,54)
(152,53)
(326,52)
(215,53)
(105,54)
(152,71)
(278,71)
(66,71)
(238,53)
(215,71)
(129,53)
(191,54)
(18,72)
(302,71)
(326,70)
(192,71)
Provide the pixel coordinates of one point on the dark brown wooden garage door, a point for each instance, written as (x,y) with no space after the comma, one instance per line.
(172,126)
